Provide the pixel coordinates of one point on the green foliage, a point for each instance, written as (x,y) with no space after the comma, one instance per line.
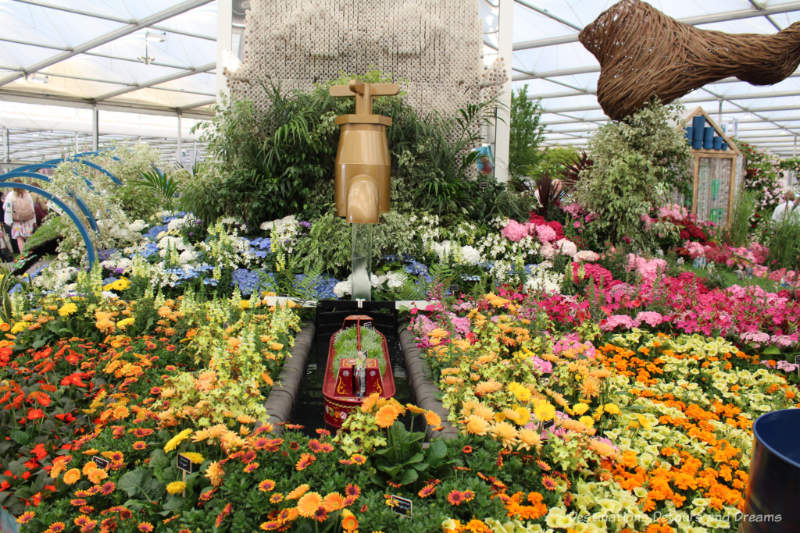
(527,133)
(784,244)
(346,346)
(739,231)
(328,244)
(404,459)
(51,229)
(557,159)
(164,185)
(637,163)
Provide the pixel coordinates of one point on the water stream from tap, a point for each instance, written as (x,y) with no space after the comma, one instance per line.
(361,261)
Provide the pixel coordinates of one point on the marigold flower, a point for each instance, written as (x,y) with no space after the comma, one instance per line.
(386,416)
(215,473)
(176,487)
(477,425)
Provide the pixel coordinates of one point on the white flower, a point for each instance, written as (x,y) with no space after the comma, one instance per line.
(343,288)
(187,256)
(587,256)
(470,256)
(137,225)
(566,247)
(395,280)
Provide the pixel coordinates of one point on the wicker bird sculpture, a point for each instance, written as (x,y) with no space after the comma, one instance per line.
(644,53)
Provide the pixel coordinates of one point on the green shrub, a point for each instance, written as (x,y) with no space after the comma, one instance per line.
(51,229)
(526,134)
(784,244)
(637,163)
(738,233)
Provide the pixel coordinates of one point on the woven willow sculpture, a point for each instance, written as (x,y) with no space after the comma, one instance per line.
(644,53)
(431,47)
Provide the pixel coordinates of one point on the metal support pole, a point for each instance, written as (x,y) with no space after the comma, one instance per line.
(503,123)
(719,115)
(178,144)
(95,128)
(224,42)
(7,145)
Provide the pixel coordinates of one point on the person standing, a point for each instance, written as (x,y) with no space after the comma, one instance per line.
(18,208)
(787,208)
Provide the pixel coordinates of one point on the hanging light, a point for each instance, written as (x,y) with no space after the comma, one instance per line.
(151,37)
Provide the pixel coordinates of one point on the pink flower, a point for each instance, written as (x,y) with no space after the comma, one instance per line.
(514,231)
(615,321)
(567,247)
(650,317)
(544,367)
(545,234)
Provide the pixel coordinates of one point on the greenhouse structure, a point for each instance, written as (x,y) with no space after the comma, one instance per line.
(483,266)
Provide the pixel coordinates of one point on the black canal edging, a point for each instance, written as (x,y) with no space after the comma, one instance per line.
(284,393)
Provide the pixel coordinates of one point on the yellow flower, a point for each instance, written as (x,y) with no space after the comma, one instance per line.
(176,487)
(528,438)
(215,473)
(19,326)
(612,409)
(520,391)
(125,322)
(67,309)
(244,304)
(299,491)
(177,439)
(386,415)
(71,476)
(580,408)
(544,411)
(587,421)
(477,425)
(194,457)
(505,432)
(121,284)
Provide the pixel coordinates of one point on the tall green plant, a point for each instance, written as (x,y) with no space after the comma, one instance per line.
(739,231)
(784,244)
(637,162)
(526,135)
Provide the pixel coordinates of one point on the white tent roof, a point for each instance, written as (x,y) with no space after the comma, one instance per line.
(159,57)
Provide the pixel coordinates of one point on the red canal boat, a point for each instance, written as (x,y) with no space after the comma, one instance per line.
(358,365)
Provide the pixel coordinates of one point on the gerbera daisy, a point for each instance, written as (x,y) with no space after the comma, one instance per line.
(358,459)
(107,488)
(276,498)
(77,502)
(548,482)
(320,515)
(26,517)
(308,504)
(139,445)
(272,525)
(352,490)
(56,527)
(299,491)
(386,416)
(266,485)
(468,495)
(251,467)
(305,461)
(349,521)
(333,502)
(314,445)
(455,497)
(427,490)
(145,527)
(467,449)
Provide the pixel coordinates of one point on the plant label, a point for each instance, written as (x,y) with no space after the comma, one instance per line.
(185,464)
(797,362)
(399,505)
(101,462)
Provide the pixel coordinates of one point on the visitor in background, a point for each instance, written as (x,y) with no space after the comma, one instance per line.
(40,208)
(787,208)
(18,208)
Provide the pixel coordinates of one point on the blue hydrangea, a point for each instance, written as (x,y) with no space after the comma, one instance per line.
(415,268)
(322,288)
(153,232)
(210,281)
(109,279)
(249,281)
(262,243)
(170,218)
(149,249)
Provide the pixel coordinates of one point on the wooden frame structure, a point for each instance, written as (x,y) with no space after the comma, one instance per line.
(732,154)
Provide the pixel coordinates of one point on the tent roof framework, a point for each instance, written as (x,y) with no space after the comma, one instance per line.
(159,57)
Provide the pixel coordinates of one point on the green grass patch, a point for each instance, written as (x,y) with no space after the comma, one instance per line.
(346,346)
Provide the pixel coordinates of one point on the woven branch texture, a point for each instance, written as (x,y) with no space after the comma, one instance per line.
(431,47)
(644,53)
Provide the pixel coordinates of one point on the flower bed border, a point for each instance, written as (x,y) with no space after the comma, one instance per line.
(282,396)
(426,393)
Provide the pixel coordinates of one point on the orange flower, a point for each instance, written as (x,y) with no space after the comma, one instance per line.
(333,502)
(305,461)
(299,491)
(386,415)
(96,475)
(349,521)
(215,473)
(308,504)
(433,419)
(370,402)
(71,476)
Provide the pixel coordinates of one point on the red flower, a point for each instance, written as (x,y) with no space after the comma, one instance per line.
(35,414)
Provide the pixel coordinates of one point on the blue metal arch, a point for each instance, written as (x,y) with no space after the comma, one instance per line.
(80,203)
(53,163)
(64,207)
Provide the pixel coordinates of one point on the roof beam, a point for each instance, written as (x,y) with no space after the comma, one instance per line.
(547,14)
(124,107)
(113,19)
(157,81)
(694,21)
(771,21)
(108,37)
(93,54)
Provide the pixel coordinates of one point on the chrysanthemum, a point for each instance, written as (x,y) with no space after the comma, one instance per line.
(477,425)
(308,504)
(215,473)
(176,487)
